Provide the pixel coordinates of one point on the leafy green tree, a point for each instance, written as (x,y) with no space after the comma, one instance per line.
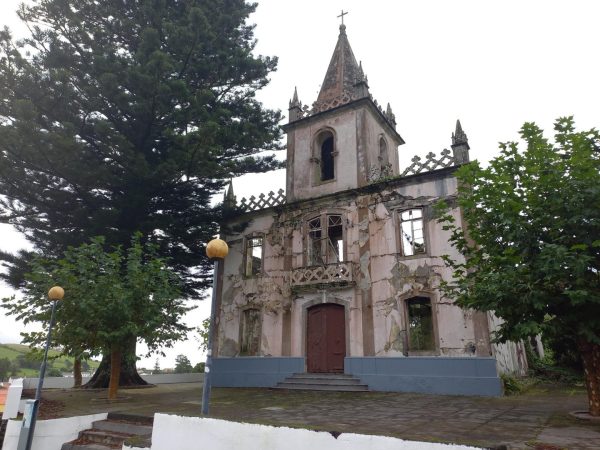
(199,368)
(182,364)
(110,298)
(5,368)
(53,372)
(531,245)
(117,117)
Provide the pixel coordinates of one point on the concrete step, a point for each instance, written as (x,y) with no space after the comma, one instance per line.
(316,380)
(323,387)
(322,382)
(103,437)
(85,446)
(122,427)
(111,433)
(333,376)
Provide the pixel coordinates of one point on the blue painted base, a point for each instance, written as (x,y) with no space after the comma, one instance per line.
(430,375)
(250,371)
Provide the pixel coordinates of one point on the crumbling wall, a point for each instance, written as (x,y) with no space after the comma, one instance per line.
(383,278)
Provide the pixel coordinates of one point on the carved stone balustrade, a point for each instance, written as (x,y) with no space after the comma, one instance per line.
(330,275)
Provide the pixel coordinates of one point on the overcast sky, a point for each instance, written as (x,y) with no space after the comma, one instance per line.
(492,64)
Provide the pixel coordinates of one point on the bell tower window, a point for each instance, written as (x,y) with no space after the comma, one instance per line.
(324,154)
(384,158)
(327,170)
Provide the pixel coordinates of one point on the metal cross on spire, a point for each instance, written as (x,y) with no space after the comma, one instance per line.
(342,15)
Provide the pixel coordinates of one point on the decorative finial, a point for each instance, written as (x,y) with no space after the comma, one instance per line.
(294,102)
(459,136)
(342,17)
(460,145)
(229,199)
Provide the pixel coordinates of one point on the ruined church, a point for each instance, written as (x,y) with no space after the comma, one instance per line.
(336,280)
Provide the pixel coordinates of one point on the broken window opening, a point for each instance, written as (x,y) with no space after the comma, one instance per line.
(327,168)
(411,229)
(420,324)
(325,246)
(314,242)
(254,256)
(250,329)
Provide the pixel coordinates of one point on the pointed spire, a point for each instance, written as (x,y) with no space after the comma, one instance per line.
(295,108)
(459,136)
(229,200)
(343,75)
(294,101)
(460,145)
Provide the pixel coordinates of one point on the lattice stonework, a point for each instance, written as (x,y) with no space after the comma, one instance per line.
(430,163)
(331,273)
(263,201)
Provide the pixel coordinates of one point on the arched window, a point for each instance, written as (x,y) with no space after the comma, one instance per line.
(384,159)
(327,172)
(325,240)
(325,144)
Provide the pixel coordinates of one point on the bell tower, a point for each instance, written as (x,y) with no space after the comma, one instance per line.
(345,140)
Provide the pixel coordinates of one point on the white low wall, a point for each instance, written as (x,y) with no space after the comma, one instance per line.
(13,397)
(50,434)
(195,432)
(68,382)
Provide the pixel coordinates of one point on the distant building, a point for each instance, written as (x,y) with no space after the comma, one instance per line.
(341,273)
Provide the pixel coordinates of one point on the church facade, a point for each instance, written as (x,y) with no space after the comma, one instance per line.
(341,273)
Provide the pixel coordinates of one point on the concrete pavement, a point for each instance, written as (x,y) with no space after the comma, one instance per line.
(536,420)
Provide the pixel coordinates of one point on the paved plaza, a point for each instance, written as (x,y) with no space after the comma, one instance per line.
(536,420)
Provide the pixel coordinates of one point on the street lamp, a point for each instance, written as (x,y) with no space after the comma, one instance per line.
(216,250)
(55,294)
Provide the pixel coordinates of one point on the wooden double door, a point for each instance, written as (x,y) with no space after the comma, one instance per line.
(326,338)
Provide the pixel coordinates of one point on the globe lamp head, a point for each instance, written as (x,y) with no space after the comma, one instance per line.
(217,248)
(56,293)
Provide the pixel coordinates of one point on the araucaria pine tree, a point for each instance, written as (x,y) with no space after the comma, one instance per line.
(122,116)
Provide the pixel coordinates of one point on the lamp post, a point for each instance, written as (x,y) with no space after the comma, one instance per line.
(216,250)
(55,294)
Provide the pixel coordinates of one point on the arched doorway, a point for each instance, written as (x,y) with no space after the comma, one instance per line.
(325,338)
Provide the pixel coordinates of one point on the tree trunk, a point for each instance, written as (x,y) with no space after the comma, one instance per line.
(115,371)
(128,375)
(77,372)
(590,354)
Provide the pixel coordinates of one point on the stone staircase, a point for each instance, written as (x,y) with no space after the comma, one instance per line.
(112,432)
(322,382)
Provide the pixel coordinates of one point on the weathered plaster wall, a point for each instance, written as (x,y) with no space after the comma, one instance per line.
(383,278)
(269,293)
(375,129)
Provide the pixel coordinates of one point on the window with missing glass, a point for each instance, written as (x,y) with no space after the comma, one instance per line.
(250,329)
(421,335)
(323,155)
(412,232)
(254,256)
(325,240)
